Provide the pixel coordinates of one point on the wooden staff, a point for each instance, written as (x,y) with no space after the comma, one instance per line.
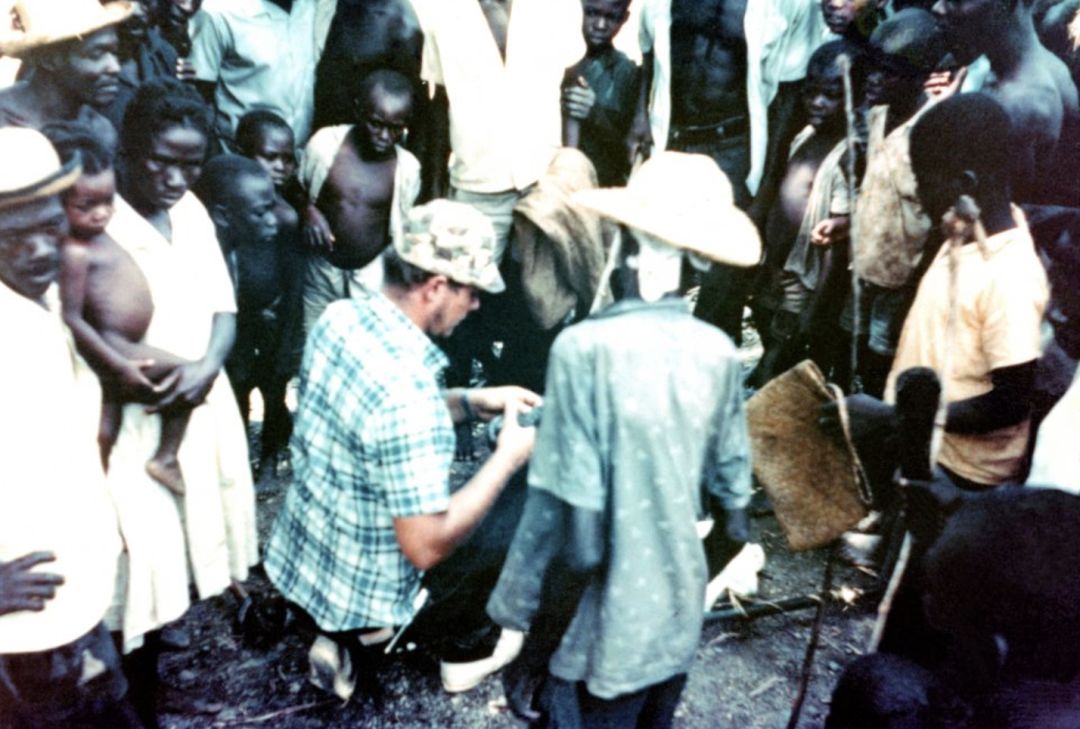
(856,287)
(961,224)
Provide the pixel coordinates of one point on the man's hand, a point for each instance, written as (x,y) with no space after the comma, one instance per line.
(184,70)
(132,381)
(487,402)
(515,441)
(189,388)
(940,85)
(21,589)
(869,418)
(317,234)
(639,141)
(578,100)
(831,230)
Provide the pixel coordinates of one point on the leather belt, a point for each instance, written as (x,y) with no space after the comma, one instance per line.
(697,134)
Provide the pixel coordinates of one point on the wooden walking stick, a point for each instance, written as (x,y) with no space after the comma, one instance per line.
(856,286)
(961,225)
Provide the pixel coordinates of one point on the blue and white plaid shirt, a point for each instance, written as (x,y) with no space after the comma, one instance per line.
(373,441)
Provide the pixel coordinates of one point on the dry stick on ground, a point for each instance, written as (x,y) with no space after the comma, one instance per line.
(959,225)
(856,294)
(275,714)
(811,646)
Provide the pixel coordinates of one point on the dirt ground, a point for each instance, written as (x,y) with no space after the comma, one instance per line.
(745,675)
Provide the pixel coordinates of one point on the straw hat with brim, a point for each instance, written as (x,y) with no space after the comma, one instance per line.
(452,239)
(31,169)
(46,22)
(684,200)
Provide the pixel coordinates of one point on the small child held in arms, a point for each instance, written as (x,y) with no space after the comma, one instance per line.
(106,302)
(600,93)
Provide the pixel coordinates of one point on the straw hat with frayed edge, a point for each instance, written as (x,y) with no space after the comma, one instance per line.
(452,239)
(40,23)
(31,168)
(684,200)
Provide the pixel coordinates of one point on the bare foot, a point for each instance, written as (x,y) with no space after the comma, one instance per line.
(167,473)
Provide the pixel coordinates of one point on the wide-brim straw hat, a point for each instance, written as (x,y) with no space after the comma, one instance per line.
(31,169)
(686,201)
(42,23)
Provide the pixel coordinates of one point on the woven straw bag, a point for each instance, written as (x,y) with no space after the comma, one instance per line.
(815,480)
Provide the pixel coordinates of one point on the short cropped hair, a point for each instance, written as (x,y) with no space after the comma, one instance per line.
(252,124)
(157,106)
(74,139)
(966,132)
(828,54)
(390,81)
(219,182)
(400,273)
(914,35)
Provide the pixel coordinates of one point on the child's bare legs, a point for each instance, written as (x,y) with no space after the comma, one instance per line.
(276,429)
(112,415)
(164,466)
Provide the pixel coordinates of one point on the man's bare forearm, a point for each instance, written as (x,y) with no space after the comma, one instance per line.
(429,539)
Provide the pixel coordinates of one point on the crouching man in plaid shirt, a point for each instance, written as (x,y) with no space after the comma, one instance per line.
(370,505)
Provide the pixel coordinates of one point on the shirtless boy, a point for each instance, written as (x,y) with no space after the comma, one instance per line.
(1031,84)
(240,197)
(107,305)
(809,215)
(270,304)
(599,96)
(360,182)
(268,139)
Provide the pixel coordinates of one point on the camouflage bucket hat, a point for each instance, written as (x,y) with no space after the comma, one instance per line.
(452,239)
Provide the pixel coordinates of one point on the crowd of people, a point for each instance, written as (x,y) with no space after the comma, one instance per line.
(557,218)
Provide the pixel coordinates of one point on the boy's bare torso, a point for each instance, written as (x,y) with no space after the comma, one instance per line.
(788,211)
(356,201)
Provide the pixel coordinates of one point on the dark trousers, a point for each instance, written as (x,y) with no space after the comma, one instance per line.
(75,686)
(570,706)
(502,318)
(454,621)
(724,289)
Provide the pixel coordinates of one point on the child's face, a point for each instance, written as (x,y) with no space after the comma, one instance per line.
(602,20)
(385,121)
(275,151)
(823,96)
(89,204)
(840,14)
(891,81)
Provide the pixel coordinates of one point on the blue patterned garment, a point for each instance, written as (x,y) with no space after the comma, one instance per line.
(643,417)
(373,441)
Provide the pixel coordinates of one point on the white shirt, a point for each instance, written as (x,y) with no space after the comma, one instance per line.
(505,118)
(52,489)
(261,57)
(781,35)
(1057,459)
